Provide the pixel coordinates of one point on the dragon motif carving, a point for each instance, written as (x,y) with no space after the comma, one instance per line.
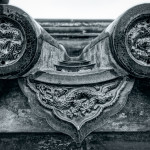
(77,104)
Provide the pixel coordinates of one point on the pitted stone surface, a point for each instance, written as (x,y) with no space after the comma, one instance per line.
(138,41)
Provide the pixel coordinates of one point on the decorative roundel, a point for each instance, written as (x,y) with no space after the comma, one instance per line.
(138,41)
(131,41)
(12,41)
(19,48)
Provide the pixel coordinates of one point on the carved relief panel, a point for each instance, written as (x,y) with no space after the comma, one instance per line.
(75,93)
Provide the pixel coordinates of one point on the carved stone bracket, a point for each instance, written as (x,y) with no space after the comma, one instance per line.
(76,94)
(77,110)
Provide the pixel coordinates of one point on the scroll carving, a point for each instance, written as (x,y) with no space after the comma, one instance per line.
(81,92)
(78,105)
(75,93)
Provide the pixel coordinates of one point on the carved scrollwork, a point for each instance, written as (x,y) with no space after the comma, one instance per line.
(78,104)
(75,93)
(75,107)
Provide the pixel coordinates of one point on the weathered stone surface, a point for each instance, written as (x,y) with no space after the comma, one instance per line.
(118,141)
(36,142)
(129,39)
(126,126)
(21,40)
(95,141)
(135,115)
(16,115)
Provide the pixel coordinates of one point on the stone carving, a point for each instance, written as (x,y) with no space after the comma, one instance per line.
(75,93)
(77,105)
(11,43)
(129,40)
(138,41)
(22,52)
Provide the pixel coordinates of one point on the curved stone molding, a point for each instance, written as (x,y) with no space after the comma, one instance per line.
(75,94)
(77,102)
(74,109)
(77,105)
(129,40)
(21,40)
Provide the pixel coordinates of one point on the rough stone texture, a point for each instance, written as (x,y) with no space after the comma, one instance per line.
(16,115)
(135,115)
(118,141)
(36,142)
(95,141)
(125,130)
